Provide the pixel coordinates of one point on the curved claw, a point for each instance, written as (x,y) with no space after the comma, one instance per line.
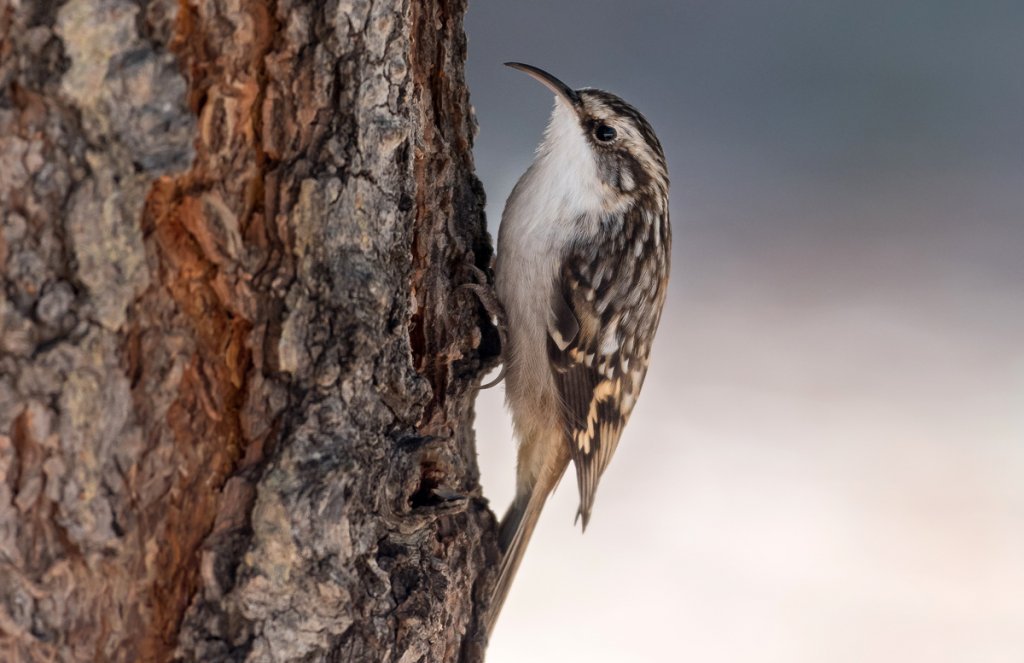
(494,308)
(496,381)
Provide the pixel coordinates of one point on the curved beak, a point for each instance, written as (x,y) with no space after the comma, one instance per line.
(550,82)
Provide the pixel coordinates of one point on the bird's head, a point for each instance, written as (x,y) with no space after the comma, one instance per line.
(604,141)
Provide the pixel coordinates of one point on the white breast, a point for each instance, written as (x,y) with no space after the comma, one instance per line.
(557,201)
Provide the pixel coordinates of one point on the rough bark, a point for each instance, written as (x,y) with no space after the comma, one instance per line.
(235,369)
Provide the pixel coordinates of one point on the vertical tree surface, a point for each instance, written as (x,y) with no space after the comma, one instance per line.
(236,373)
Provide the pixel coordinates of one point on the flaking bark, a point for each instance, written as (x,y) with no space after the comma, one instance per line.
(235,369)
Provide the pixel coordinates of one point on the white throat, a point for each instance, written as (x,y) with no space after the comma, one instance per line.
(567,173)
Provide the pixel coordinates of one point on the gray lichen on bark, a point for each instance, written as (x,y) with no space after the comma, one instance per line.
(235,369)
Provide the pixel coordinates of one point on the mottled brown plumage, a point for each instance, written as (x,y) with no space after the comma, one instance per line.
(582,269)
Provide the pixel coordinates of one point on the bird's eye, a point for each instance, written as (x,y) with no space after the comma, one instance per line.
(604,133)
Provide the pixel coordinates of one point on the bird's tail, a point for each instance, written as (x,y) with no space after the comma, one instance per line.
(516,528)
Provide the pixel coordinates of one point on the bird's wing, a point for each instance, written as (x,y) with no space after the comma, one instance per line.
(603,313)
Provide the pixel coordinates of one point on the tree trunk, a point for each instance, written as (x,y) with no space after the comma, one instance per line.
(236,374)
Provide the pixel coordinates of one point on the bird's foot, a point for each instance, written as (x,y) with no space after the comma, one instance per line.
(489,300)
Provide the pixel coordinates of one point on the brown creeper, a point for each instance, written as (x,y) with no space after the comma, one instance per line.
(582,268)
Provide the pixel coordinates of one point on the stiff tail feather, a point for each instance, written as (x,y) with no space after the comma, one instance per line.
(516,529)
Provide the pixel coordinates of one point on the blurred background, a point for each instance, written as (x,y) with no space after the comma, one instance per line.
(827,462)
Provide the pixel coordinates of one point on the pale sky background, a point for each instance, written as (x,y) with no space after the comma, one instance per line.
(827,462)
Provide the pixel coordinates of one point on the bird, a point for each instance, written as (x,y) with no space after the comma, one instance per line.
(581,274)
